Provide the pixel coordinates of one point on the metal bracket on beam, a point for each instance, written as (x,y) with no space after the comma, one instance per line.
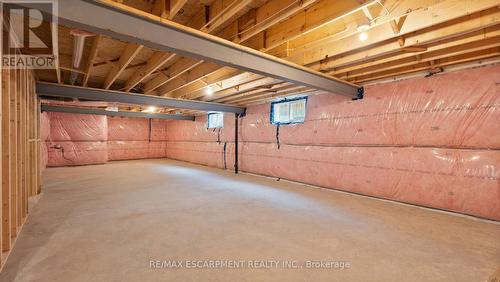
(127,24)
(361,94)
(57,90)
(94,111)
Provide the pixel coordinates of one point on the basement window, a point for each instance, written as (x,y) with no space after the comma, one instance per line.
(215,120)
(289,111)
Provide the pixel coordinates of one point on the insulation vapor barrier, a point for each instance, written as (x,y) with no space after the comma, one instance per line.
(426,141)
(136,138)
(78,139)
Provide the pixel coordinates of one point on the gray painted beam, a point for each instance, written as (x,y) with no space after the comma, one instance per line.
(93,111)
(112,19)
(58,90)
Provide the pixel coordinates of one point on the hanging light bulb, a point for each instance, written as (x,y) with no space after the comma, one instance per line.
(363,28)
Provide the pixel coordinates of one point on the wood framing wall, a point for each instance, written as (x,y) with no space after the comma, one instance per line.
(20,146)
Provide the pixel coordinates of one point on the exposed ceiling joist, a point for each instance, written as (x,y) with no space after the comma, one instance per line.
(156,61)
(270,14)
(200,77)
(94,111)
(128,54)
(90,61)
(56,90)
(178,68)
(426,22)
(222,17)
(453,29)
(283,21)
(188,78)
(175,7)
(167,36)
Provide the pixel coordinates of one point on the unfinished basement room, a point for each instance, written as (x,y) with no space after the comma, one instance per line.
(250,140)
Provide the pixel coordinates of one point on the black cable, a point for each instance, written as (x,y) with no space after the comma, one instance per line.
(150,130)
(278,135)
(225,163)
(218,136)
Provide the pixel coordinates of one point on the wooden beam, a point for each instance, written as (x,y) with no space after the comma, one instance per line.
(157,60)
(440,46)
(271,14)
(320,13)
(181,66)
(426,57)
(175,7)
(187,78)
(213,77)
(245,87)
(453,28)
(90,61)
(396,25)
(285,91)
(218,20)
(262,83)
(220,87)
(416,20)
(161,8)
(128,54)
(271,98)
(265,88)
(453,60)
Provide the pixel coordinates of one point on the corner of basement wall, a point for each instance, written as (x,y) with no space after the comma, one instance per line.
(80,139)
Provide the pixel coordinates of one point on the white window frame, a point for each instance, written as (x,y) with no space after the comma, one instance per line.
(286,107)
(219,123)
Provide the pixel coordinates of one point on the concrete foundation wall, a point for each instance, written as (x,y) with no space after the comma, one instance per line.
(427,141)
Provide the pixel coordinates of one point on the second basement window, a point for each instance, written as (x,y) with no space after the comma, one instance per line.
(215,120)
(289,111)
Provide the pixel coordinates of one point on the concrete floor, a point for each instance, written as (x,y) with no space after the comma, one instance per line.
(108,222)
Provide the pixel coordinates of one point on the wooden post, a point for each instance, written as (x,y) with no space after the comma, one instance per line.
(19,195)
(3,85)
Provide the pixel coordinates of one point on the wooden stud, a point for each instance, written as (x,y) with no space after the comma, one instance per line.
(6,149)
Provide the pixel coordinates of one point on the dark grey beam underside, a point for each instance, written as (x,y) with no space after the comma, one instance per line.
(58,90)
(168,36)
(91,111)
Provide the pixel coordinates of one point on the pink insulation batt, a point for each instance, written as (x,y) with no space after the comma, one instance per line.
(77,139)
(132,138)
(426,141)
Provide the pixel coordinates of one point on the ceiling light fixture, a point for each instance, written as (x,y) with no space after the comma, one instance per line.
(209,91)
(112,109)
(150,110)
(363,36)
(363,28)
